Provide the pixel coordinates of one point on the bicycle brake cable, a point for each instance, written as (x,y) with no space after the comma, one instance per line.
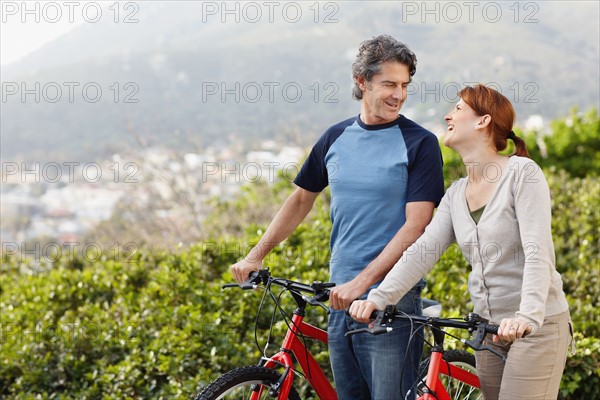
(267,290)
(419,380)
(410,340)
(286,317)
(260,306)
(446,332)
(276,301)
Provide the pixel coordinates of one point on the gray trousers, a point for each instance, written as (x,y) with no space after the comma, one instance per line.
(534,364)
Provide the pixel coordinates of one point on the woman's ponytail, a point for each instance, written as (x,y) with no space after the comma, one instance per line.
(520,146)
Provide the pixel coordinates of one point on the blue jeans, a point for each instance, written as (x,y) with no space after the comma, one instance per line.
(379,367)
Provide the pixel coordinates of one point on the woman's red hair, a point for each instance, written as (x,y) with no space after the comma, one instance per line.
(484,100)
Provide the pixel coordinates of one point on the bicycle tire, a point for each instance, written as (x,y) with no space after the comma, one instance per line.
(456,389)
(240,382)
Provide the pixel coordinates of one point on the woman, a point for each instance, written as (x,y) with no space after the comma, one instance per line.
(500,217)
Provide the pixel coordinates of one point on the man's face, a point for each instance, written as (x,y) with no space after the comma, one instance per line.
(385,94)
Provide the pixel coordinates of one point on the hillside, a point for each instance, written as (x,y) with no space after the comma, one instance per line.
(186,77)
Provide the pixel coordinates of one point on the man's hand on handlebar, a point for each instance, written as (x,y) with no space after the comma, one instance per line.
(343,295)
(242,269)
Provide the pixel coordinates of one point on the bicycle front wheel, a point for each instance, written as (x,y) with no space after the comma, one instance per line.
(251,382)
(456,389)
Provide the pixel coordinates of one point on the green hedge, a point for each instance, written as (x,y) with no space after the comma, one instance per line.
(159,325)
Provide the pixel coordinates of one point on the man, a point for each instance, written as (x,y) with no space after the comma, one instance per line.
(385,176)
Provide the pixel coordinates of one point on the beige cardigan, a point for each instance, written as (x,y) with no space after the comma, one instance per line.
(510,249)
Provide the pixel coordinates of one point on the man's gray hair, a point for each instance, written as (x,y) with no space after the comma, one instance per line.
(372,53)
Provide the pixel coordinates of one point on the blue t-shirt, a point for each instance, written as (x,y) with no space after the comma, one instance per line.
(372,171)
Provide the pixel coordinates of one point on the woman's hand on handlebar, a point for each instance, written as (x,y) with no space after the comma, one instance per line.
(242,269)
(512,329)
(361,310)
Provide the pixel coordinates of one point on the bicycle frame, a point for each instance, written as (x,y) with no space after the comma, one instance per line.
(312,370)
(437,366)
(433,387)
(293,349)
(293,343)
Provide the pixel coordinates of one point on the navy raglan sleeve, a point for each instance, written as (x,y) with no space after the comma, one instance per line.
(425,175)
(313,174)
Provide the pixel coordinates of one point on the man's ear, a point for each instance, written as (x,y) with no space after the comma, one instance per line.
(361,82)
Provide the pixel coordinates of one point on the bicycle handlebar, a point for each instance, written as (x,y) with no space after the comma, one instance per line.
(319,290)
(472,322)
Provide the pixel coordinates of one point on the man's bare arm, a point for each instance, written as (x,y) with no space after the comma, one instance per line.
(292,213)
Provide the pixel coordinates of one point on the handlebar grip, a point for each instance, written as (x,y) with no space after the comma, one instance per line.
(373,316)
(493,329)
(254,278)
(253,275)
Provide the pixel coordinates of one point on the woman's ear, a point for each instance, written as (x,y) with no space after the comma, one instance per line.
(484,121)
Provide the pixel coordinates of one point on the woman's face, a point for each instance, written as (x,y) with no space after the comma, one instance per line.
(462,122)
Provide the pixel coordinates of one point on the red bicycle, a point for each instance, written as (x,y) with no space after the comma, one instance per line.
(265,379)
(444,375)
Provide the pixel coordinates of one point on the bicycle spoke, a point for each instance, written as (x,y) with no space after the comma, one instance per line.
(245,391)
(460,390)
(456,389)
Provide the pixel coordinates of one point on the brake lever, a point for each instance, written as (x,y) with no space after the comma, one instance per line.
(244,286)
(378,322)
(477,342)
(496,352)
(314,302)
(472,345)
(377,330)
(229,285)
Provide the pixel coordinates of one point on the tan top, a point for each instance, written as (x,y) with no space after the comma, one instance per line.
(510,249)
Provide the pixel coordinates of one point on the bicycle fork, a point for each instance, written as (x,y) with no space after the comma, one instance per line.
(293,345)
(434,388)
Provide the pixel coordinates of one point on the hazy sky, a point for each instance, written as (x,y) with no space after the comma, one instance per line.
(26,26)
